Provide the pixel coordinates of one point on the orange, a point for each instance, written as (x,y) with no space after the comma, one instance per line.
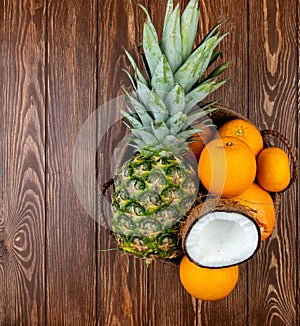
(227,166)
(246,131)
(273,169)
(205,283)
(200,140)
(261,202)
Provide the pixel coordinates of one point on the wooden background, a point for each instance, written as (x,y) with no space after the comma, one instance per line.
(59,61)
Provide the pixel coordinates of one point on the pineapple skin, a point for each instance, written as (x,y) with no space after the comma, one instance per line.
(152,195)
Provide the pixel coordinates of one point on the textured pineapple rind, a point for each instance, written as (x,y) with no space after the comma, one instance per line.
(167,246)
(151,198)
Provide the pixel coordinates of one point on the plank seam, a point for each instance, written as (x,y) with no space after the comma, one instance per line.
(248,115)
(298,187)
(97,229)
(46,158)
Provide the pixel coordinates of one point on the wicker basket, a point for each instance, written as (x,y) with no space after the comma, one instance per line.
(224,114)
(221,116)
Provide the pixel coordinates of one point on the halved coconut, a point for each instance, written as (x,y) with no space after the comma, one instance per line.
(220,233)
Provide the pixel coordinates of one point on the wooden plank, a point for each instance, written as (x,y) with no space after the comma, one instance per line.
(166,293)
(122,280)
(22,148)
(234,94)
(273,104)
(71,79)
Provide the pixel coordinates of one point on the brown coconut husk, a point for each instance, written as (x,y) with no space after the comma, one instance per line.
(214,204)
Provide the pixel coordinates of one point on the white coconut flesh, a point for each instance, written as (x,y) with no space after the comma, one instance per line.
(221,239)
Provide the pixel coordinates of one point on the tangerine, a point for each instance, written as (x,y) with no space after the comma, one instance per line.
(273,169)
(206,283)
(227,166)
(245,131)
(260,201)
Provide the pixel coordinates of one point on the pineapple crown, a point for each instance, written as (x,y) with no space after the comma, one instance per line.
(164,104)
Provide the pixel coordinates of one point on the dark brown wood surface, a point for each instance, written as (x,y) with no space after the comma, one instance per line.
(60,60)
(71,98)
(23,206)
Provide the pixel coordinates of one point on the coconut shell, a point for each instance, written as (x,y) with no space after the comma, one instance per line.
(211,205)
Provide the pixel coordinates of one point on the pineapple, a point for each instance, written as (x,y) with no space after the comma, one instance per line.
(157,186)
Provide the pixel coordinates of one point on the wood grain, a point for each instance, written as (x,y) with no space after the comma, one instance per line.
(234,15)
(168,301)
(234,94)
(122,280)
(71,98)
(60,60)
(22,207)
(273,105)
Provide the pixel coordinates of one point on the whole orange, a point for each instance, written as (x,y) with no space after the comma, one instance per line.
(273,169)
(227,166)
(245,131)
(205,283)
(261,202)
(200,140)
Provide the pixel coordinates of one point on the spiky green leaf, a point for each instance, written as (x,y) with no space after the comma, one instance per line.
(201,92)
(175,100)
(160,130)
(197,95)
(146,136)
(172,140)
(162,80)
(130,78)
(157,107)
(204,124)
(195,116)
(215,55)
(135,123)
(189,24)
(149,21)
(191,71)
(138,73)
(151,48)
(143,93)
(144,116)
(169,9)
(213,31)
(218,71)
(176,122)
(175,145)
(171,44)
(209,106)
(187,133)
(138,142)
